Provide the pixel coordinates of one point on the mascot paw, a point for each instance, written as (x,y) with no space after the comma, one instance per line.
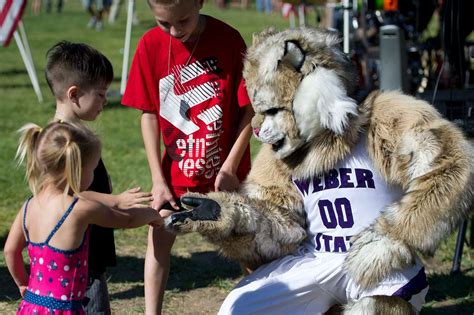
(373,257)
(202,209)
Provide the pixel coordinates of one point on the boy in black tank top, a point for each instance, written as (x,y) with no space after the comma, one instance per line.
(101,250)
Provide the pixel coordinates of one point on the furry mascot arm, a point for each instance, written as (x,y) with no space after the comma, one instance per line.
(265,220)
(429,157)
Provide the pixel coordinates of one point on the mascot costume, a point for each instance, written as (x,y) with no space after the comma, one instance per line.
(341,196)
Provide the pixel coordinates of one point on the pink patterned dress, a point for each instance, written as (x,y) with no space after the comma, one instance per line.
(58,278)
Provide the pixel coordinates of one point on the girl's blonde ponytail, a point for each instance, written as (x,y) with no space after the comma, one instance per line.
(73,166)
(56,154)
(29,135)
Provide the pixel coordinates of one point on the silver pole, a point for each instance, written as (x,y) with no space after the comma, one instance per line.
(29,66)
(126,49)
(345,5)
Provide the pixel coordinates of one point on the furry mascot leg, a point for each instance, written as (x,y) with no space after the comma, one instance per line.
(379,305)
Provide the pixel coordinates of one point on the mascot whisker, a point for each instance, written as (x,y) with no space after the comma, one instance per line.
(341,196)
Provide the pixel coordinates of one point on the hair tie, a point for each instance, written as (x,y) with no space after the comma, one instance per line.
(40,130)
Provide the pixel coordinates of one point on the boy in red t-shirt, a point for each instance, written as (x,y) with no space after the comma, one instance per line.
(186,77)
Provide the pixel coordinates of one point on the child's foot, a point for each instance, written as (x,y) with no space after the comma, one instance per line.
(99,26)
(92,22)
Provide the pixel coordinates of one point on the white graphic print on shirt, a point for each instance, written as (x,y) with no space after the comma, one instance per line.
(342,202)
(197,145)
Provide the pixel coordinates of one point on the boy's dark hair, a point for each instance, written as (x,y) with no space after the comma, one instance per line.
(76,64)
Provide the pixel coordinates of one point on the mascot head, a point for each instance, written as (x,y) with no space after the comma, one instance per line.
(299,82)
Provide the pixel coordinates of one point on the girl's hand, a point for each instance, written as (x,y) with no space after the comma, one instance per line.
(226,181)
(133,198)
(22,289)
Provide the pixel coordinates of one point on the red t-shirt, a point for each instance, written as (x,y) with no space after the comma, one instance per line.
(197,92)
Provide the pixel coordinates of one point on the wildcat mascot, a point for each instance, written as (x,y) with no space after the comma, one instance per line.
(341,195)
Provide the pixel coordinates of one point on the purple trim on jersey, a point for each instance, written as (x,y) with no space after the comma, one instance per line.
(413,287)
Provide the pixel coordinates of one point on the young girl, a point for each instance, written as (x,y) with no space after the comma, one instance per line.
(54,223)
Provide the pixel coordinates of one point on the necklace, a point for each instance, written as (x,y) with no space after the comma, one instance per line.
(192,51)
(177,84)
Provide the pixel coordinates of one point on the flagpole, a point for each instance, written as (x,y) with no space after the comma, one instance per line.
(126,49)
(29,65)
(345,8)
(24,40)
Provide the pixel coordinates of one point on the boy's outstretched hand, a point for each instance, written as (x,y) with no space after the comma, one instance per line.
(163,196)
(134,198)
(226,181)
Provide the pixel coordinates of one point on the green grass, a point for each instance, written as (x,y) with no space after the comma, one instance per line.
(197,270)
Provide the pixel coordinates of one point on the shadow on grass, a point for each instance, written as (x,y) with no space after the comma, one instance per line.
(200,270)
(444,287)
(13,71)
(8,290)
(16,85)
(447,295)
(450,294)
(135,291)
(3,239)
(459,309)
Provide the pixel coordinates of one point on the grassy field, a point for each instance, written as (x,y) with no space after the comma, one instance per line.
(199,278)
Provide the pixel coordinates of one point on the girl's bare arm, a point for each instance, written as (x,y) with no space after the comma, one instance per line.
(13,253)
(93,212)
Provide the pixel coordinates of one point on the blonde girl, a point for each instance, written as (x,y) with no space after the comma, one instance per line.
(54,223)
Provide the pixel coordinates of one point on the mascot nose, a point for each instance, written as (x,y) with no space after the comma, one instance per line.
(256,131)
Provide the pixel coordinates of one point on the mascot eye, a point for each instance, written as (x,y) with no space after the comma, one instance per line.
(271,111)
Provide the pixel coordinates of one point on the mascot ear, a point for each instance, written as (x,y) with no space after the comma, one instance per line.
(294,55)
(259,37)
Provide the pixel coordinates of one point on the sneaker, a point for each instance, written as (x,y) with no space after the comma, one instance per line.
(92,22)
(99,26)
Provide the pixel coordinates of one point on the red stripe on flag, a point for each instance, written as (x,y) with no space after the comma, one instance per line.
(6,8)
(4,14)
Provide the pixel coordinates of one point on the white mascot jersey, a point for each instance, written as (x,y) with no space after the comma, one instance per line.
(340,203)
